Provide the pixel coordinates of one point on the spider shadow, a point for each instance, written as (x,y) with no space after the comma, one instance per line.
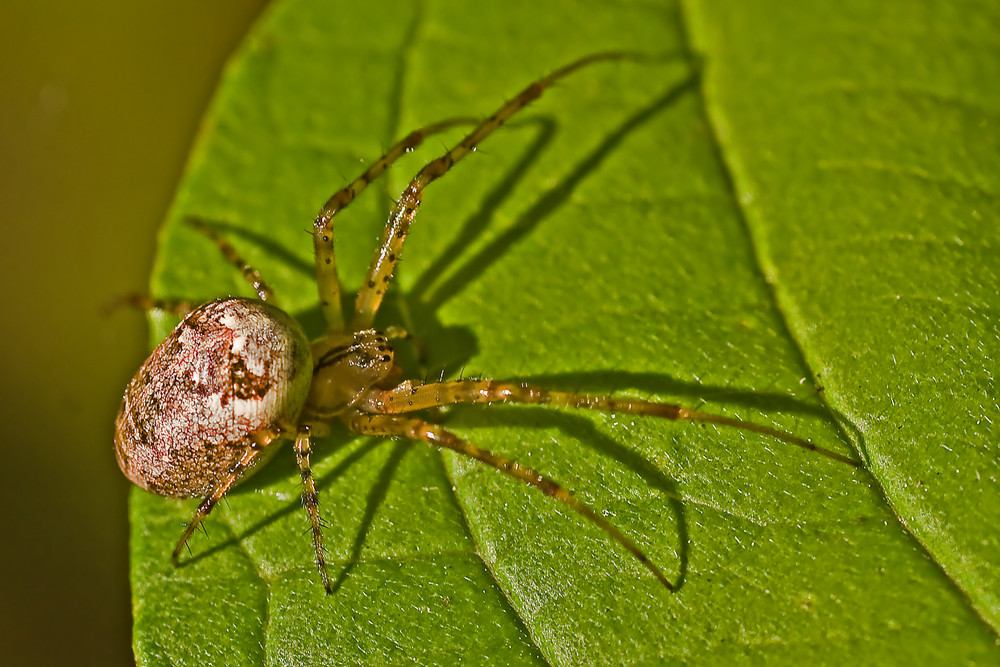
(605,381)
(521,417)
(278,252)
(418,308)
(279,472)
(422,300)
(525,418)
(529,418)
(453,346)
(474,225)
(582,429)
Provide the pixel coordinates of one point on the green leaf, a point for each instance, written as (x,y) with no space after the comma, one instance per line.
(815,209)
(869,181)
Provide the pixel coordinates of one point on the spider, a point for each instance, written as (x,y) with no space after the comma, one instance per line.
(237,375)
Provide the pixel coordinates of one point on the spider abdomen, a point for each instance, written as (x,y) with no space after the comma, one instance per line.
(231,369)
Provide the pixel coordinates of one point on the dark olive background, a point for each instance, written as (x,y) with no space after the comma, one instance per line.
(99,103)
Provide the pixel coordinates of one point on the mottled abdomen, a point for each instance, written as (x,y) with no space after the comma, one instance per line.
(232,368)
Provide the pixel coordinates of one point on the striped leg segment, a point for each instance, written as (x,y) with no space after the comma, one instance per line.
(250,274)
(310,501)
(260,442)
(178,307)
(376,281)
(408,397)
(326,261)
(417,429)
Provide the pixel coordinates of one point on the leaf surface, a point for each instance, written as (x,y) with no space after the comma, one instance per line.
(816,208)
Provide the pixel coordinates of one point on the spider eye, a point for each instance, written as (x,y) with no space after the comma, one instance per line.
(345,368)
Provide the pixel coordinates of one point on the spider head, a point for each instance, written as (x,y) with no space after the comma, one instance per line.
(345,367)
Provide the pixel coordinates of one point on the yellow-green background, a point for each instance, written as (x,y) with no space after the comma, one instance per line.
(99,102)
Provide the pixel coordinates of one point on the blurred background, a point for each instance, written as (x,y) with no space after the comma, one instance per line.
(99,104)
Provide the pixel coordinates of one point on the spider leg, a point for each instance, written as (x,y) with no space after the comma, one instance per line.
(376,281)
(256,447)
(408,397)
(310,501)
(417,429)
(326,260)
(252,275)
(181,307)
(177,307)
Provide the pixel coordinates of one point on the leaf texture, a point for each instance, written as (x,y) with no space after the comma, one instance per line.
(790,197)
